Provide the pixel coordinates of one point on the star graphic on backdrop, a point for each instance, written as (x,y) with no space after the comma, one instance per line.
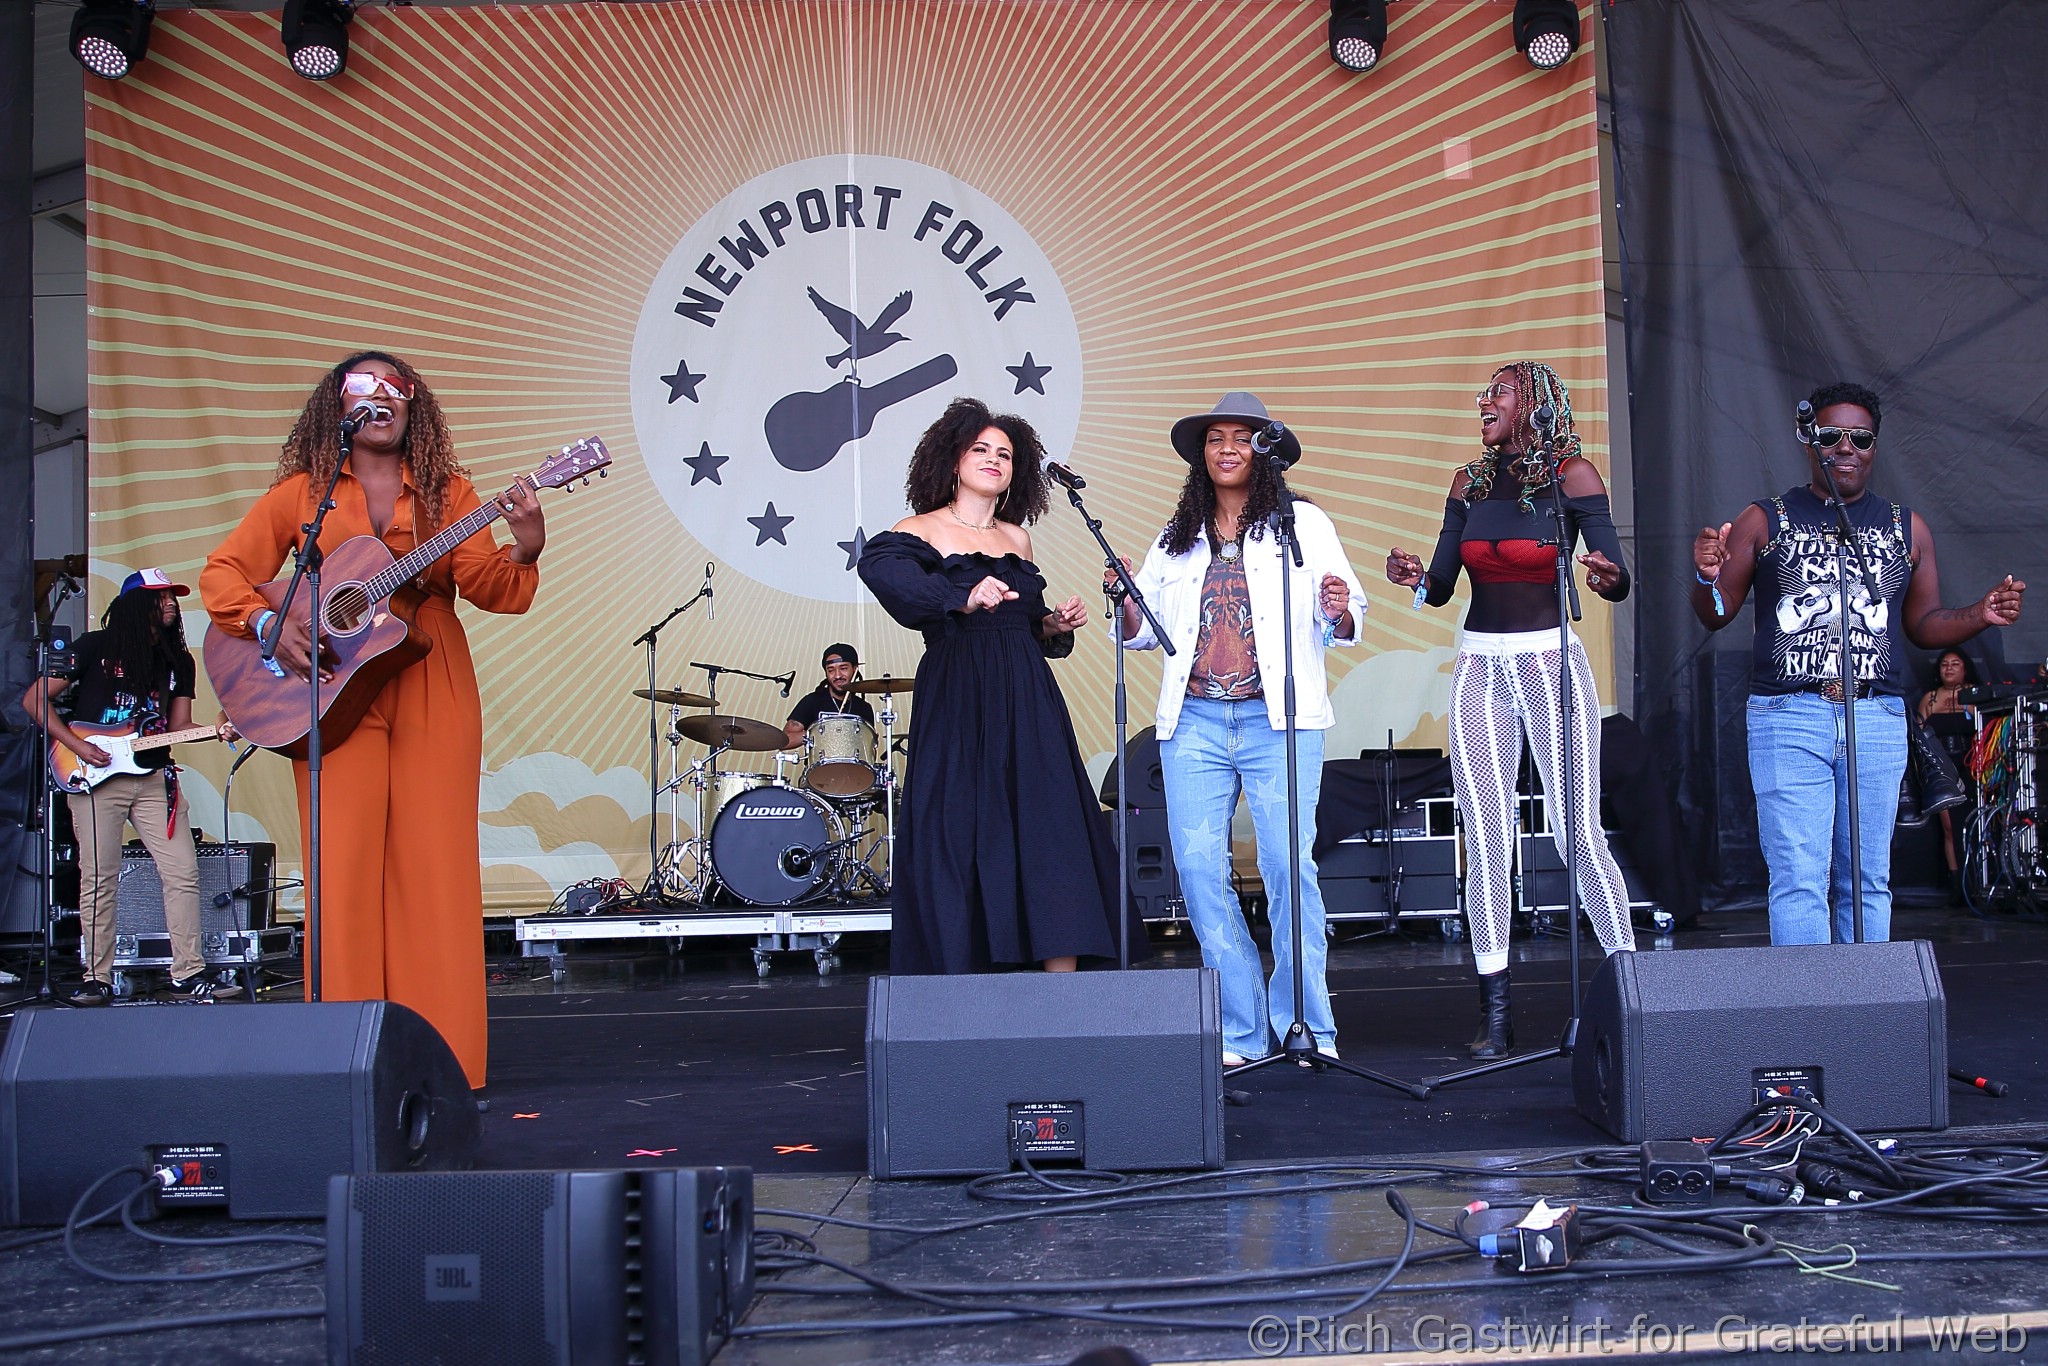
(704,465)
(1029,376)
(768,527)
(855,547)
(683,384)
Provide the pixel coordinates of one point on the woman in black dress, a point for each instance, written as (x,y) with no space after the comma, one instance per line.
(993,747)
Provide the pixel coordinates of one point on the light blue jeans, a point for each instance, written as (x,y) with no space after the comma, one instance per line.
(1218,750)
(1799,768)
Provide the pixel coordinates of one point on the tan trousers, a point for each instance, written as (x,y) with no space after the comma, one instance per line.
(97,816)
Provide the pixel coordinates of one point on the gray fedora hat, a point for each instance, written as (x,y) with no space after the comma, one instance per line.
(1190,433)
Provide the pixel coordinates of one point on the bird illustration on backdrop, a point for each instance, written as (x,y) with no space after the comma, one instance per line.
(862,339)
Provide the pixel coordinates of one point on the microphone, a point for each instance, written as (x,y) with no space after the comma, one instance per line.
(1267,437)
(232,893)
(1545,418)
(788,679)
(364,413)
(1802,418)
(1064,477)
(710,602)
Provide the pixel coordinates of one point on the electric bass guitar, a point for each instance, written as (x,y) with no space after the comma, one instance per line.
(122,744)
(367,609)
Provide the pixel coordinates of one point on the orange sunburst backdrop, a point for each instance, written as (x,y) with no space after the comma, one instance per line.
(1199,200)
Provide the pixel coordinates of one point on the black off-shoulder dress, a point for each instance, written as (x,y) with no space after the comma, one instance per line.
(1002,854)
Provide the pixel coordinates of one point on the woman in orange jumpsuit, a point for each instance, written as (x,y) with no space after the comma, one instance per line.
(401,878)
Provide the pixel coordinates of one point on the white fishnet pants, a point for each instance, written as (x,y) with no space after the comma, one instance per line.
(1505,686)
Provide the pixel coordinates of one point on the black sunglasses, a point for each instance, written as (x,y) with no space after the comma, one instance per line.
(1862,438)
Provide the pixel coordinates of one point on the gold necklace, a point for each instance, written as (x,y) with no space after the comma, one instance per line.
(971,526)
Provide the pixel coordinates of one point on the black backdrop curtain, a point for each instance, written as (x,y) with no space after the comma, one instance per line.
(1814,190)
(19,750)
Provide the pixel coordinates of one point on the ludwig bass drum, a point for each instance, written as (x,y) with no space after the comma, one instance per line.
(775,846)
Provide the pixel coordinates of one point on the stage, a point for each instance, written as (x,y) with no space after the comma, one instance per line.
(648,1058)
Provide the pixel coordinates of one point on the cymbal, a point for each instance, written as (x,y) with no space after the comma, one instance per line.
(883,684)
(736,731)
(675,697)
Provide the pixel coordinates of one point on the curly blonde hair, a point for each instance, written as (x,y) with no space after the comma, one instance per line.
(311,447)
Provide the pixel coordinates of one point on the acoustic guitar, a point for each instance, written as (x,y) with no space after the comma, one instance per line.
(122,744)
(367,610)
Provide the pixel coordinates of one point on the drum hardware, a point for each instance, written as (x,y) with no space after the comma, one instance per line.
(887,687)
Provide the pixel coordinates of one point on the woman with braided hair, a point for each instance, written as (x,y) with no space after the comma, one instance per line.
(1498,528)
(402,883)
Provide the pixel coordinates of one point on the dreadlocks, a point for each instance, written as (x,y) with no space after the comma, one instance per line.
(141,644)
(1195,514)
(429,450)
(1535,385)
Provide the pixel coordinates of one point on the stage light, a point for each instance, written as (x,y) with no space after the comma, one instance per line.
(1358,33)
(315,34)
(1547,32)
(108,37)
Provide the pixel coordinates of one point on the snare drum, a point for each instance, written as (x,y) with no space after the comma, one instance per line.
(727,785)
(842,755)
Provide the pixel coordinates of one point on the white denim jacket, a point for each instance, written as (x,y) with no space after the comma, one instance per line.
(1172,584)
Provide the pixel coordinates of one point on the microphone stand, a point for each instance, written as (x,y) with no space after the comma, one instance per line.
(1567,613)
(1846,544)
(1300,1045)
(306,567)
(47,801)
(646,638)
(1121,587)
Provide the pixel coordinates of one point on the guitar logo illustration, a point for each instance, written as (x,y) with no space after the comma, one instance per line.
(805,430)
(803,333)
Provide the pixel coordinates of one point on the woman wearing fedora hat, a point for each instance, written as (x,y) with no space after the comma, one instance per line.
(1505,684)
(1213,579)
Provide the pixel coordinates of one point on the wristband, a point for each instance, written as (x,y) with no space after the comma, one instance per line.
(1714,585)
(262,622)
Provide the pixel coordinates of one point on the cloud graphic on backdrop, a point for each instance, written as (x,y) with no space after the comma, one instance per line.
(784,453)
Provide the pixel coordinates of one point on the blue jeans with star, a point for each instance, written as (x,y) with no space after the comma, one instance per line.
(1798,766)
(1219,750)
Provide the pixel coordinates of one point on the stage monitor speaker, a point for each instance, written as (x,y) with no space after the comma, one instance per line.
(651,1265)
(1675,1044)
(1114,1070)
(1154,878)
(293,1094)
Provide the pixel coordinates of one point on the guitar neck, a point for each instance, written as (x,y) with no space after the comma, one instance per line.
(422,556)
(175,737)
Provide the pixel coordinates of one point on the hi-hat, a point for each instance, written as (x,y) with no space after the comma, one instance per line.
(675,697)
(882,684)
(735,732)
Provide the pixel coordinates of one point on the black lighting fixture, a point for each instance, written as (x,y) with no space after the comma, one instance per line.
(315,34)
(1547,32)
(1358,33)
(108,37)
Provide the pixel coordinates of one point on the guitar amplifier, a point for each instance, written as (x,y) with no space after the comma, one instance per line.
(242,873)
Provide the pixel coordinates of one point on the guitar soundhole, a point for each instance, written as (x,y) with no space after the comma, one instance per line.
(348,609)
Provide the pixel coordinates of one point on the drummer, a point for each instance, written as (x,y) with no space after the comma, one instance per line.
(833,694)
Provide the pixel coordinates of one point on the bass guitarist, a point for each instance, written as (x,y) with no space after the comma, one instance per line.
(402,884)
(134,675)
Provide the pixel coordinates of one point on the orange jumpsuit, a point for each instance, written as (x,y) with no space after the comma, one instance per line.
(401,902)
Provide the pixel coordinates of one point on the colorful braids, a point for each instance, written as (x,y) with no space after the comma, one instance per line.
(1535,385)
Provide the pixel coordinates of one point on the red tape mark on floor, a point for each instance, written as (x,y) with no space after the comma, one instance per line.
(785,1149)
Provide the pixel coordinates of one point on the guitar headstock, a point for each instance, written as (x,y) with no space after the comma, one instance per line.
(580,461)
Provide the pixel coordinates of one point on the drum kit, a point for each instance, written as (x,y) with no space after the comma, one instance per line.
(761,839)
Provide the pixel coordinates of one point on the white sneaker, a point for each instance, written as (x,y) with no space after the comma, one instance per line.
(8,979)
(1231,1059)
(1328,1050)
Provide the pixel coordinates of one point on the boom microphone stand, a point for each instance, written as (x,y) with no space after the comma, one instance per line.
(1300,1045)
(654,788)
(1845,545)
(1545,421)
(1121,587)
(306,567)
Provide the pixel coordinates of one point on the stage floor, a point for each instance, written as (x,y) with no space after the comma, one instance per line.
(659,1059)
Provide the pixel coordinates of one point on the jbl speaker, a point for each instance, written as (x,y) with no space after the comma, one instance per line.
(1114,1070)
(234,890)
(1679,1044)
(563,1268)
(1155,881)
(293,1094)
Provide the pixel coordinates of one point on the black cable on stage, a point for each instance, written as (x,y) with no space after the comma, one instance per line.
(73,1224)
(58,1336)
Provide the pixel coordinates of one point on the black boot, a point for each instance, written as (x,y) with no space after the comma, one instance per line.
(1496,1026)
(1941,787)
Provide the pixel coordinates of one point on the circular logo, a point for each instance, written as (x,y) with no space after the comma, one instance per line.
(804,333)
